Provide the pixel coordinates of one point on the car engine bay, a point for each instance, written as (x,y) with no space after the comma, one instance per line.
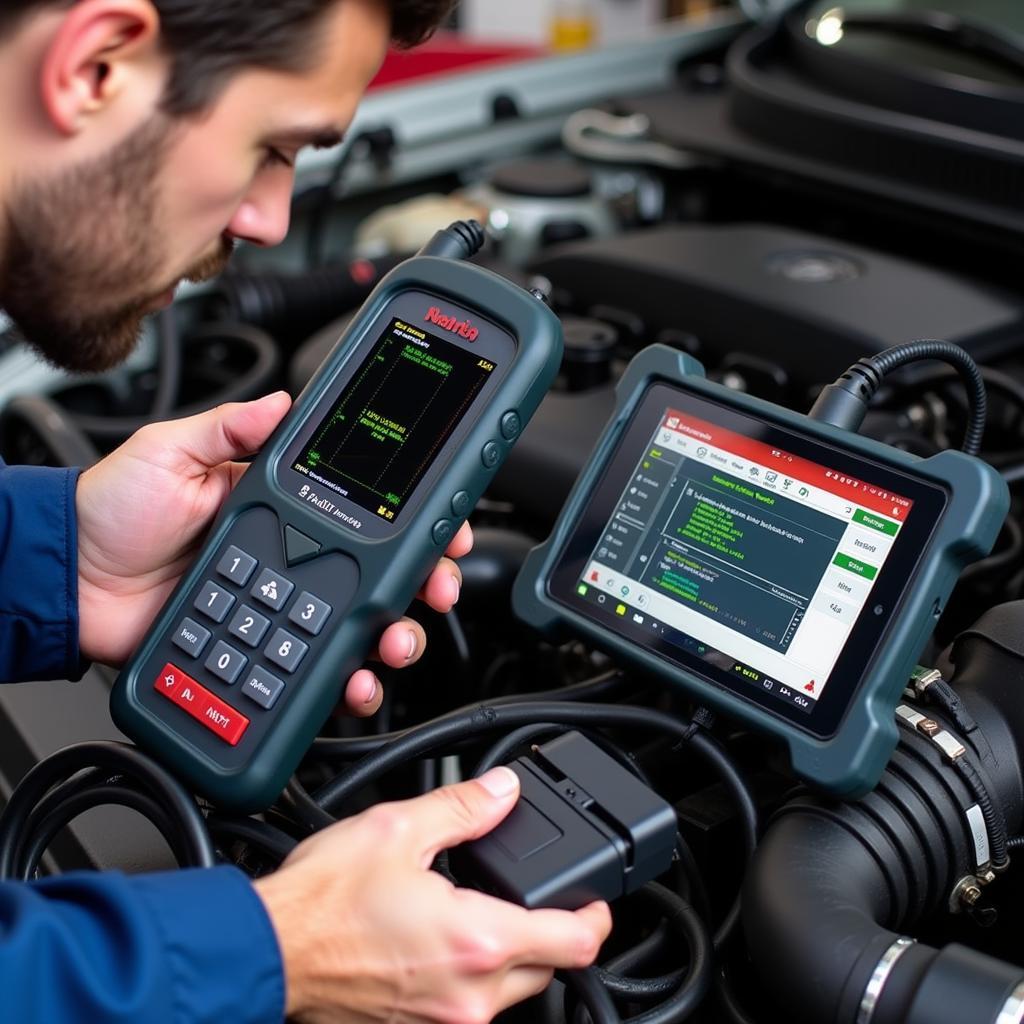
(775,208)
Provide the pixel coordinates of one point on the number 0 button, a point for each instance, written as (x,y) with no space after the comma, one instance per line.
(226,663)
(309,613)
(285,650)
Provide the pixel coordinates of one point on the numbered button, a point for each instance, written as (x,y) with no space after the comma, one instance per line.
(310,613)
(249,626)
(191,637)
(236,566)
(226,663)
(285,650)
(272,589)
(214,602)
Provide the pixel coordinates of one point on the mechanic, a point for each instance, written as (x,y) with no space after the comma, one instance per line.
(142,139)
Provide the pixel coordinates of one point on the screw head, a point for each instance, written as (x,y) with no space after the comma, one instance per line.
(971,894)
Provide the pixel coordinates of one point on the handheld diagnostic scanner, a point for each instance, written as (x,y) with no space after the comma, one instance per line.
(779,569)
(338,522)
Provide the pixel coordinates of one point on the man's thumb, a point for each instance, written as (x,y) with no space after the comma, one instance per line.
(469,810)
(231,431)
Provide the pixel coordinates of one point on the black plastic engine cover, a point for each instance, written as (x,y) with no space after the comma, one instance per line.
(809,303)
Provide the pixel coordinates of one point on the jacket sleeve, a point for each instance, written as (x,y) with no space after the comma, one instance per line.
(38,574)
(189,947)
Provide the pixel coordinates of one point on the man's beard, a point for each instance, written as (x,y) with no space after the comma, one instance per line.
(76,242)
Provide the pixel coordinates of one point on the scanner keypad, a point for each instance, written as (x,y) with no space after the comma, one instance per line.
(224,645)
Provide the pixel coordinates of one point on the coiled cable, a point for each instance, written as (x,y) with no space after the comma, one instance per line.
(845,403)
(115,773)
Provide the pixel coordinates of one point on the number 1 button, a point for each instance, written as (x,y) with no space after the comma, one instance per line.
(236,566)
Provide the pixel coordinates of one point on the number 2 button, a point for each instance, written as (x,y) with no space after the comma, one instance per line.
(285,650)
(249,626)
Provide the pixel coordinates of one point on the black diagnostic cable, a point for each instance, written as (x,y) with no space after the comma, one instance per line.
(501,752)
(351,748)
(685,989)
(266,838)
(640,990)
(43,828)
(479,720)
(845,403)
(643,952)
(51,795)
(594,995)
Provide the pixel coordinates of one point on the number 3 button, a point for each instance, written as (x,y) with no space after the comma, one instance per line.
(285,650)
(309,613)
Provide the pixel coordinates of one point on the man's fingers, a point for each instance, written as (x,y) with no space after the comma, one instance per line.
(229,432)
(550,938)
(402,643)
(455,814)
(462,543)
(442,589)
(522,983)
(363,694)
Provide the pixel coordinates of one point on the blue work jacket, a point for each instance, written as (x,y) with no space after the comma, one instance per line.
(177,948)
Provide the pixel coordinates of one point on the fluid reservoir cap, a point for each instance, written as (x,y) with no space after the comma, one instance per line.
(589,348)
(542,179)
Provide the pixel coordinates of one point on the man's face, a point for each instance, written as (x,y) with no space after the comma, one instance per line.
(90,251)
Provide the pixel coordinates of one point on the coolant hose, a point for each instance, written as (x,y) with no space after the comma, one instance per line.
(835,890)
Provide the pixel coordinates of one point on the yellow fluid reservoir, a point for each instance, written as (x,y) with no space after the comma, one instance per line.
(573,25)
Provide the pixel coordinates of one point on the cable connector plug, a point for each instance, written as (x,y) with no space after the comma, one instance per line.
(845,403)
(458,241)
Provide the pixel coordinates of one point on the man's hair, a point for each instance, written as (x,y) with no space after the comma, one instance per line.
(208,40)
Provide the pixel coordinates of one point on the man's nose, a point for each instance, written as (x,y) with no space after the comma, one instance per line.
(264,215)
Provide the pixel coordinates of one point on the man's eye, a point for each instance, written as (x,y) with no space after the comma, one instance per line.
(278,158)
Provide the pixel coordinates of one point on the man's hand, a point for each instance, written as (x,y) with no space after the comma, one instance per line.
(369,934)
(144,511)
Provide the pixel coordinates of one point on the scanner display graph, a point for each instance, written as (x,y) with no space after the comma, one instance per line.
(394,418)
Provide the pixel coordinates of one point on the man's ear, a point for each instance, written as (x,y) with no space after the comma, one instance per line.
(98,46)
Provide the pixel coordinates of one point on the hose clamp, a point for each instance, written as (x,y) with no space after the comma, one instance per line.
(880,975)
(1013,1009)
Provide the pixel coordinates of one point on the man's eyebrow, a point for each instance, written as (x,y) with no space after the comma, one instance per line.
(319,138)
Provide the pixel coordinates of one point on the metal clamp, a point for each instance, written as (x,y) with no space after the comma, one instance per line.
(880,975)
(1013,1009)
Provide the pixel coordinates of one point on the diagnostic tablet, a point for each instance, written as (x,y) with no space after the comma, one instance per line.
(775,567)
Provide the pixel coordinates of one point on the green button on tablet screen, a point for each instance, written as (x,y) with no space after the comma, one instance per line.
(869,572)
(876,522)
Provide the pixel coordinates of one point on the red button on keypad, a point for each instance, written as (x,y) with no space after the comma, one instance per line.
(220,718)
